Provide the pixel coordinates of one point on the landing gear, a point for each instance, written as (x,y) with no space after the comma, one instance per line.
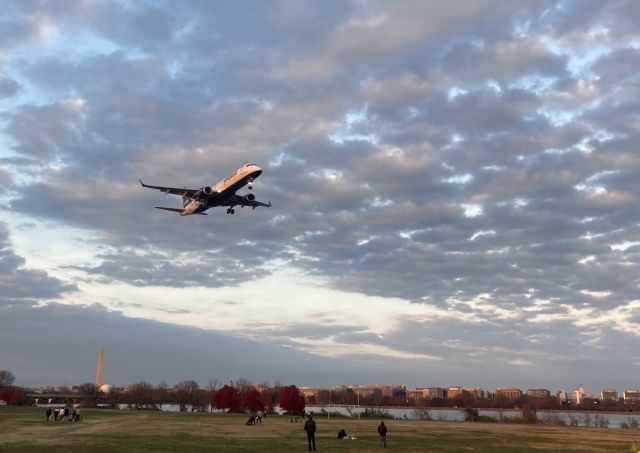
(250,185)
(231,211)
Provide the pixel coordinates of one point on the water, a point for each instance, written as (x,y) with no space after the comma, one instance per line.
(457,415)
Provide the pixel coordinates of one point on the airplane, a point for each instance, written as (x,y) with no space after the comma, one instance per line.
(196,201)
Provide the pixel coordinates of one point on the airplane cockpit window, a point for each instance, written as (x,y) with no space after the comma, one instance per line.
(249,165)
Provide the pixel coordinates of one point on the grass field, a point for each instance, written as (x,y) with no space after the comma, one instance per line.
(24,429)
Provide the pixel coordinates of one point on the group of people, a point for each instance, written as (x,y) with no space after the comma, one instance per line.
(310,428)
(63,414)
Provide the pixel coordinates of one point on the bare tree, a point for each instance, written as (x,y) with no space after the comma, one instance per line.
(243,385)
(187,394)
(6,378)
(162,393)
(90,394)
(141,395)
(213,384)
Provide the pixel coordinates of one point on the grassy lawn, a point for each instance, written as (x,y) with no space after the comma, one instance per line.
(24,429)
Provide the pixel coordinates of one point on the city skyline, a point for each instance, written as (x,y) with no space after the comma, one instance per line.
(454,188)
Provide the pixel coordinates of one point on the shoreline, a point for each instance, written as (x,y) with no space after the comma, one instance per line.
(488,409)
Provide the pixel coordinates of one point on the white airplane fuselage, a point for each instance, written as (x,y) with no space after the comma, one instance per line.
(221,193)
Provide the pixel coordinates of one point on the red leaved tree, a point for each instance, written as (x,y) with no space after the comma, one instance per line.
(291,400)
(227,398)
(251,401)
(5,394)
(266,398)
(17,397)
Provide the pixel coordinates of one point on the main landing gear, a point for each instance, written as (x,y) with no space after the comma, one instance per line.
(250,184)
(231,211)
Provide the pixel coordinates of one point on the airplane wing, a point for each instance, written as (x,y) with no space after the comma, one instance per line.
(173,190)
(239,200)
(179,211)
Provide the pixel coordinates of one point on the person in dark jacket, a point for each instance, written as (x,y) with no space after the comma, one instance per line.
(382,431)
(48,413)
(310,428)
(342,434)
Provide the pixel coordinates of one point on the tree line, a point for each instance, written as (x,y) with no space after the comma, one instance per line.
(188,395)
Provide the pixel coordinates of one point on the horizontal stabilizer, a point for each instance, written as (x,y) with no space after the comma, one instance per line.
(170,209)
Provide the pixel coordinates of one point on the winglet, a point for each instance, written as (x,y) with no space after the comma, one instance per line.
(269,203)
(141,183)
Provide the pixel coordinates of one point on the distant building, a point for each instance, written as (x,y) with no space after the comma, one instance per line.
(452,392)
(476,392)
(508,393)
(609,395)
(631,396)
(582,393)
(573,398)
(417,393)
(538,393)
(562,396)
(437,392)
(368,390)
(399,391)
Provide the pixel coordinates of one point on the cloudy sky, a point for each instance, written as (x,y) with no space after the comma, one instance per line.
(454,186)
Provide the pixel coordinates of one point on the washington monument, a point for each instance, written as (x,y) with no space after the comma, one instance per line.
(100,367)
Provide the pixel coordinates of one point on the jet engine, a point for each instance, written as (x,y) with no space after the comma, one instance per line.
(207,190)
(250,197)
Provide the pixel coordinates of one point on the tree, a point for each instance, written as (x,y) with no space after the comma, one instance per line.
(187,394)
(243,385)
(5,394)
(291,400)
(6,378)
(162,393)
(266,398)
(212,388)
(227,398)
(17,397)
(323,397)
(141,395)
(252,402)
(89,393)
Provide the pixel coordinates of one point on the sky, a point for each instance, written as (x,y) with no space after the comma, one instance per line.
(454,187)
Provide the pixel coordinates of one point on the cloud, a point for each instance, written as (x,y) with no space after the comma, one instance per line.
(8,86)
(137,349)
(20,284)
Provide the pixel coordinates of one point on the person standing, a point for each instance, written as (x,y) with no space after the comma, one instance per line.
(56,412)
(48,413)
(382,431)
(310,428)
